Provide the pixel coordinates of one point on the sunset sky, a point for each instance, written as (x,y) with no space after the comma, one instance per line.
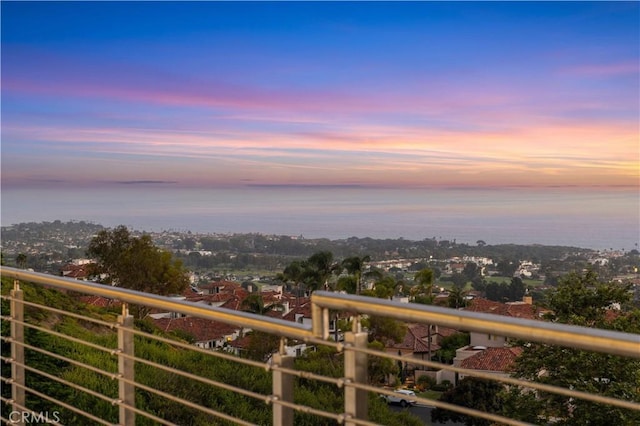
(370,94)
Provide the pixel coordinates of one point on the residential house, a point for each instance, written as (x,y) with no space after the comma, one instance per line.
(495,361)
(208,334)
(491,351)
(77,271)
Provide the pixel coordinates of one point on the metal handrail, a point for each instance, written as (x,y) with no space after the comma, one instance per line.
(237,318)
(606,341)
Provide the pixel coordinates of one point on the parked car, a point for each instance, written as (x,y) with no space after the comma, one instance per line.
(404,397)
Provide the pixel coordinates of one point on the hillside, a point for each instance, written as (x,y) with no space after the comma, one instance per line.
(198,363)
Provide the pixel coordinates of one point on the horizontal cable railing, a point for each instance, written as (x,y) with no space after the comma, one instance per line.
(607,341)
(353,383)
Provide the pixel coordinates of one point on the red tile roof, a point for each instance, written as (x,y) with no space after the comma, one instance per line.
(241,342)
(446,331)
(415,340)
(99,301)
(304,310)
(76,271)
(203,330)
(492,359)
(515,310)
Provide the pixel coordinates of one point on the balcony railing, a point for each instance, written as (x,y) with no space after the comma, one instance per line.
(354,384)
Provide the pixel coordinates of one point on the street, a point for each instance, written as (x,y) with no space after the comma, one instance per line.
(424,413)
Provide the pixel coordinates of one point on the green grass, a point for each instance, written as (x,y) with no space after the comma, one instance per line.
(527,281)
(429,394)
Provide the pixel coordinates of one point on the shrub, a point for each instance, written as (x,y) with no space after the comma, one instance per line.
(426,382)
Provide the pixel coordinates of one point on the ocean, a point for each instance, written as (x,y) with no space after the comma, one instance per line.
(589,218)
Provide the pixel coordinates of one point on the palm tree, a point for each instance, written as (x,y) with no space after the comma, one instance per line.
(424,278)
(254,303)
(355,266)
(456,298)
(318,269)
(424,286)
(261,344)
(295,274)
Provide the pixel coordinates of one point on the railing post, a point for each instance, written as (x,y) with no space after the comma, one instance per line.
(282,389)
(355,371)
(17,348)
(319,321)
(126,389)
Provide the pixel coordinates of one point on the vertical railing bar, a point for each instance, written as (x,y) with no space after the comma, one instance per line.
(282,384)
(355,371)
(317,326)
(126,390)
(17,350)
(325,323)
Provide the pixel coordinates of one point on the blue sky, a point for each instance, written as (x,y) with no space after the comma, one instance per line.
(366,93)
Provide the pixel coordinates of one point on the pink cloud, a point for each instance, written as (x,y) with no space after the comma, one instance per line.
(604,70)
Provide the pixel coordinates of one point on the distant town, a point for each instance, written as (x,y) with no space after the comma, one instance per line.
(59,248)
(49,246)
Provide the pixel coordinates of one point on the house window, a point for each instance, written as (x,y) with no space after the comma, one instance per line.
(298,351)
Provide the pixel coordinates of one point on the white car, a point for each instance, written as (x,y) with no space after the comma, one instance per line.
(404,397)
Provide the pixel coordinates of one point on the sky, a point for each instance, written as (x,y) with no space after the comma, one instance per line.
(371,94)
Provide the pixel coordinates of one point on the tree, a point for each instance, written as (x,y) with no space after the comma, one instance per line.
(384,288)
(424,286)
(479,283)
(495,291)
(135,263)
(294,273)
(254,303)
(347,283)
(318,269)
(457,298)
(507,267)
(579,300)
(517,289)
(449,344)
(380,368)
(383,329)
(355,266)
(458,279)
(261,345)
(479,394)
(424,278)
(21,260)
(471,270)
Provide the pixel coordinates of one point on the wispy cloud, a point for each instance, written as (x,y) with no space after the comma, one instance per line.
(627,68)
